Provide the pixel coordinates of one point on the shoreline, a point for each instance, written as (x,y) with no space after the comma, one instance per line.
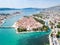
(3,21)
(7,17)
(24,32)
(15,27)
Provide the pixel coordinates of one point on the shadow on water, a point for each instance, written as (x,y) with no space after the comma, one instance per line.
(40,40)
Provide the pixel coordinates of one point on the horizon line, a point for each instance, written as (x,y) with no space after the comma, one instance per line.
(29,7)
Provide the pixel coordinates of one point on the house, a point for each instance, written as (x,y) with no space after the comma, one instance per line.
(29,23)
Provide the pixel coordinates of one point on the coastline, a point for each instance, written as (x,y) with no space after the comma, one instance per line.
(14,25)
(3,21)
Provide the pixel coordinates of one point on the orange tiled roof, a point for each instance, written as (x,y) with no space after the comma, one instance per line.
(28,22)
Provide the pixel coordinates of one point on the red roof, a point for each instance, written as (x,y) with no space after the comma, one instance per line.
(28,22)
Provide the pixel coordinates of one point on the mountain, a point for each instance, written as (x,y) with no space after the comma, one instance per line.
(54,8)
(32,9)
(8,9)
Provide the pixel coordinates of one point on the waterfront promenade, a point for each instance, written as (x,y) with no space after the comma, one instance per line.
(52,39)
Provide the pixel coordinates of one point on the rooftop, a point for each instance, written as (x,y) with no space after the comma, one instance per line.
(28,22)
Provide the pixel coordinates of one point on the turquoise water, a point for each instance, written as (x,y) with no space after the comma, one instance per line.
(8,36)
(12,20)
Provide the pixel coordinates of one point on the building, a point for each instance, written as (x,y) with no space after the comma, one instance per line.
(29,23)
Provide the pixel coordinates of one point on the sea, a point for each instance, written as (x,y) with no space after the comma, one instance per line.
(8,36)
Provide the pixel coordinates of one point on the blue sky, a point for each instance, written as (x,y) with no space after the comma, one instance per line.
(28,3)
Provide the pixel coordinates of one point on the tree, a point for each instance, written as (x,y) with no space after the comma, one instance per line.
(21,29)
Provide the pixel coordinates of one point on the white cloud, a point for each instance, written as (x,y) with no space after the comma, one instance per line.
(28,3)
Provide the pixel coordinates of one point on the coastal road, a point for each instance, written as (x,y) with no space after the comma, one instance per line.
(54,40)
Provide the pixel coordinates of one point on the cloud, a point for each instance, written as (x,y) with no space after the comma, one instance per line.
(28,3)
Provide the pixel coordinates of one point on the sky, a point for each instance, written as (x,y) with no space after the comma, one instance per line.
(28,3)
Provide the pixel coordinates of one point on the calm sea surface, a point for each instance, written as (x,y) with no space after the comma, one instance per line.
(8,36)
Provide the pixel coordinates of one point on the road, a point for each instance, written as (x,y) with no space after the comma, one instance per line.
(54,40)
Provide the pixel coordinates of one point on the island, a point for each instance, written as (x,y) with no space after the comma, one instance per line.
(30,24)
